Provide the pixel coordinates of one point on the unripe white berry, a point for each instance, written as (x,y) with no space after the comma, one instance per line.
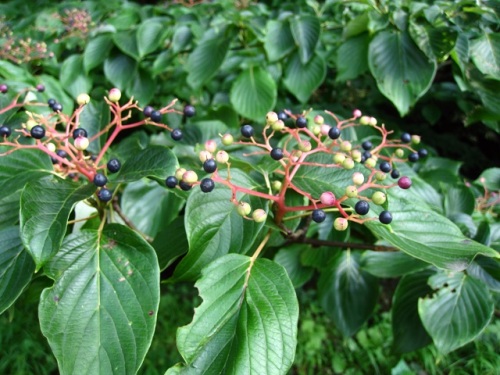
(341,224)
(205,155)
(222,157)
(210,145)
(271,118)
(259,215)
(81,143)
(243,208)
(358,178)
(83,99)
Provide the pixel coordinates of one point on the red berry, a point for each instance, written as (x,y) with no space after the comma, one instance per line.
(404,182)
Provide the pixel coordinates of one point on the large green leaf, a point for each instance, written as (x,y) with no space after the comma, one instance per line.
(9,210)
(100,315)
(489,178)
(171,243)
(207,57)
(458,312)
(435,42)
(407,329)
(155,161)
(347,293)
(278,40)
(120,70)
(402,71)
(142,87)
(390,264)
(253,93)
(21,166)
(485,53)
(247,322)
(289,257)
(214,228)
(73,78)
(126,41)
(305,30)
(352,57)
(458,199)
(45,208)
(303,79)
(148,36)
(96,51)
(16,267)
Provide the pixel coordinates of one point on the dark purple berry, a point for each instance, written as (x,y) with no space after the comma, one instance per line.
(406,138)
(301,122)
(148,110)
(367,154)
(37,132)
(57,107)
(207,185)
(385,217)
(367,145)
(104,195)
(334,132)
(114,165)
(318,216)
(185,186)
(51,103)
(5,131)
(176,134)
(156,116)
(277,153)
(385,167)
(404,182)
(171,182)
(61,153)
(413,157)
(422,153)
(395,173)
(362,207)
(79,132)
(247,131)
(189,111)
(40,88)
(210,165)
(282,116)
(4,88)
(100,179)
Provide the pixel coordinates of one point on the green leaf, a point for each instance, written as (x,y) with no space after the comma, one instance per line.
(181,39)
(459,199)
(403,72)
(127,43)
(120,70)
(407,329)
(73,78)
(207,57)
(458,312)
(347,293)
(485,53)
(247,322)
(148,36)
(155,161)
(9,210)
(289,257)
(487,270)
(303,79)
(390,264)
(352,57)
(94,118)
(107,291)
(305,30)
(45,208)
(489,178)
(21,166)
(171,243)
(96,51)
(16,267)
(149,206)
(435,42)
(278,40)
(214,228)
(142,87)
(253,93)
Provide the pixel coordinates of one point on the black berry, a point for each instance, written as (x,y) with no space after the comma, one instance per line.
(79,132)
(114,165)
(395,173)
(247,131)
(406,137)
(207,185)
(385,217)
(148,110)
(61,153)
(422,153)
(171,182)
(185,186)
(189,111)
(413,157)
(176,134)
(334,132)
(51,103)
(5,131)
(282,116)
(318,216)
(362,207)
(104,195)
(367,145)
(385,167)
(210,165)
(156,116)
(37,132)
(100,179)
(57,107)
(301,122)
(277,153)
(367,154)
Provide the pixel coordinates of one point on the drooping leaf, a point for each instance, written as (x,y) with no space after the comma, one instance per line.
(485,53)
(9,210)
(171,243)
(253,93)
(73,78)
(306,29)
(403,72)
(407,329)
(119,70)
(142,87)
(289,257)
(458,199)
(155,161)
(490,178)
(303,79)
(487,270)
(126,41)
(347,293)
(278,39)
(352,57)
(390,264)
(106,289)
(16,267)
(148,36)
(247,322)
(458,311)
(45,208)
(96,51)
(435,42)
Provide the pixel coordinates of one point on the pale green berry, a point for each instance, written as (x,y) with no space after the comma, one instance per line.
(415,139)
(399,152)
(179,173)
(338,158)
(341,224)
(243,208)
(83,99)
(81,143)
(380,176)
(351,191)
(259,215)
(319,120)
(190,177)
(271,118)
(346,146)
(356,155)
(370,162)
(364,120)
(114,95)
(51,147)
(30,124)
(276,185)
(316,129)
(278,126)
(358,178)
(222,157)
(373,121)
(348,163)
(379,198)
(227,139)
(305,146)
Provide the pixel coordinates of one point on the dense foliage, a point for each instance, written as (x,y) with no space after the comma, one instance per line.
(177,143)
